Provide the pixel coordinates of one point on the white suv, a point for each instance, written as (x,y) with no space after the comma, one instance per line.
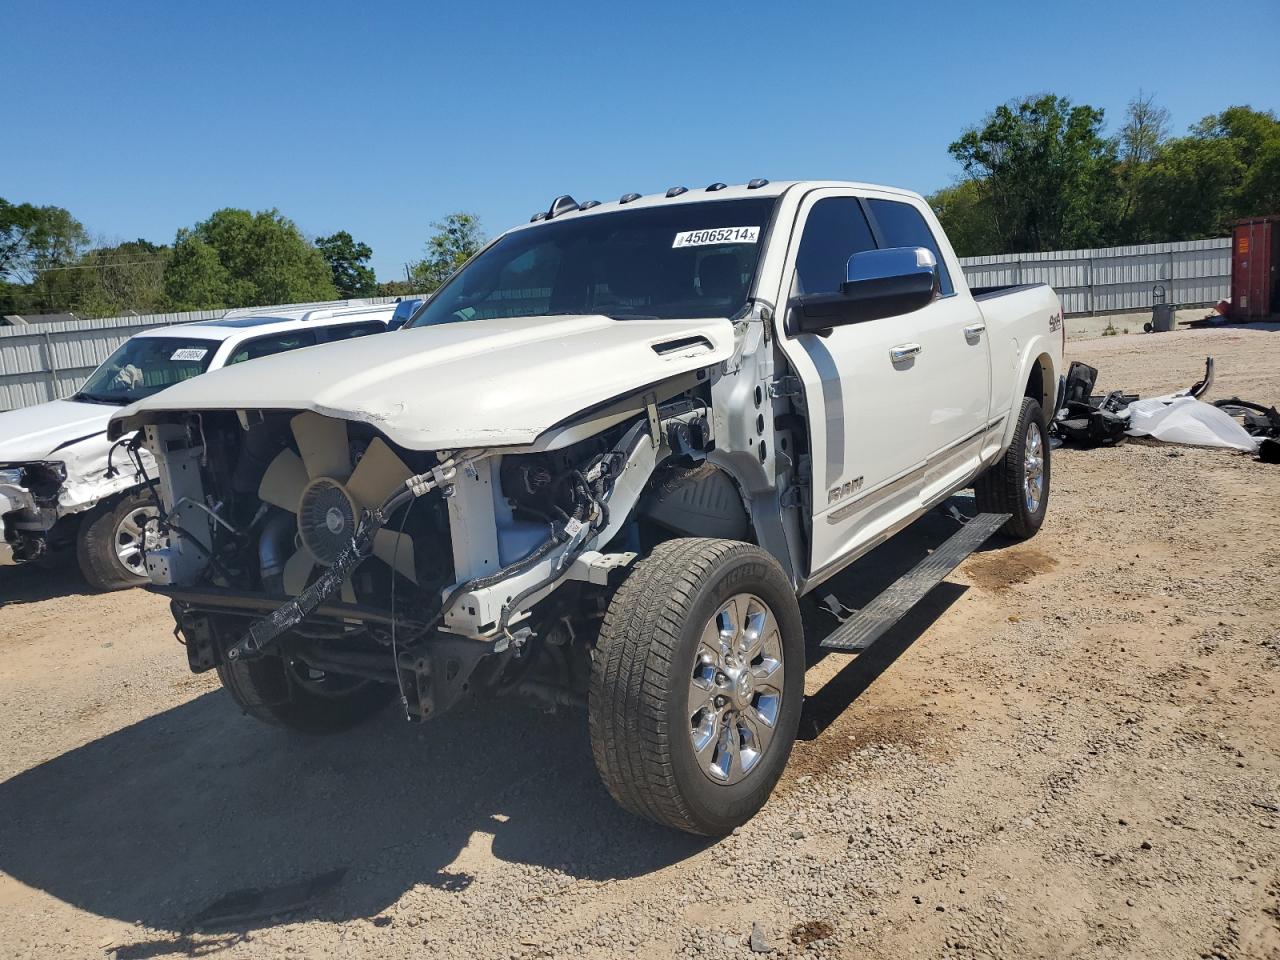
(62,482)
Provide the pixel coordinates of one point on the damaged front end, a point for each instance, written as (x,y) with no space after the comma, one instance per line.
(28,508)
(320,542)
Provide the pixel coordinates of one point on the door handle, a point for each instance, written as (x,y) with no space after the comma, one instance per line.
(974,331)
(904,351)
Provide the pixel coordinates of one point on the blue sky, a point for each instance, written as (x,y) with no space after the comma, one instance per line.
(380,117)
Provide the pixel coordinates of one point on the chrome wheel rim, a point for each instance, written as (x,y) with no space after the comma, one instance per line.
(135,534)
(1033,468)
(735,689)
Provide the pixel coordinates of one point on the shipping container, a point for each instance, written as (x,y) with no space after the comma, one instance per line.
(1255,268)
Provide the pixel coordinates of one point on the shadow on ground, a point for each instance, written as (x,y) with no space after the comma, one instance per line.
(45,580)
(161,819)
(201,817)
(855,587)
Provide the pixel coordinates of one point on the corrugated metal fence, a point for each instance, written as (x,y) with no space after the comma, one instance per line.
(44,361)
(1116,279)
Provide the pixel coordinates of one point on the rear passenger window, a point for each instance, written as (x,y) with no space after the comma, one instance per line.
(349,330)
(266,346)
(901,225)
(835,230)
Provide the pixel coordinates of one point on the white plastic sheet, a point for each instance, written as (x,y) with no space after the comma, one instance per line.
(1187,420)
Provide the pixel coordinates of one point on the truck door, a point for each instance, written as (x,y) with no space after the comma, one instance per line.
(953,362)
(882,425)
(866,440)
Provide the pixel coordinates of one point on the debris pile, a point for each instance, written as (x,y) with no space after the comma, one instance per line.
(1088,419)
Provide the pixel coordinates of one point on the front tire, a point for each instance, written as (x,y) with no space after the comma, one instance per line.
(111,542)
(1018,483)
(696,685)
(287,693)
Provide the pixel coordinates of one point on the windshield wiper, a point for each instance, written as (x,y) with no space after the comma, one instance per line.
(98,398)
(631,316)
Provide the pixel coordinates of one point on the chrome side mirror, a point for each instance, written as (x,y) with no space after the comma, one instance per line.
(880,283)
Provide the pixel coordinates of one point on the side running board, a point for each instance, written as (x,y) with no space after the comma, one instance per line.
(869,624)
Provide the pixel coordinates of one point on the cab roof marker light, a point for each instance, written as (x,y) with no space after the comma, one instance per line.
(589,204)
(628,197)
(716,186)
(676,191)
(540,215)
(561,205)
(757,183)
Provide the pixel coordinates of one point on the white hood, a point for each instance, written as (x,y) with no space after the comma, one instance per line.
(74,434)
(45,431)
(479,383)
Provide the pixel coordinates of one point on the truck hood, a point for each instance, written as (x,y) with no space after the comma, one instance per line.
(47,430)
(478,383)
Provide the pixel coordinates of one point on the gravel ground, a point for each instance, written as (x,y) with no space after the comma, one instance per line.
(1070,749)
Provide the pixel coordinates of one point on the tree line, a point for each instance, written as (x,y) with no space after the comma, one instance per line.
(1041,173)
(235,258)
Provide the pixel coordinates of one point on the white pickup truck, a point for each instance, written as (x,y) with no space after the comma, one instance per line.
(60,482)
(604,465)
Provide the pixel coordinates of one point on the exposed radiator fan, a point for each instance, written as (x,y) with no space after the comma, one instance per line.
(327,495)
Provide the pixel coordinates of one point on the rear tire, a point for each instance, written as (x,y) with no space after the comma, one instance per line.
(683,733)
(1018,483)
(109,543)
(285,694)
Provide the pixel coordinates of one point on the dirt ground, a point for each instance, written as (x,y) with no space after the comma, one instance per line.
(1071,749)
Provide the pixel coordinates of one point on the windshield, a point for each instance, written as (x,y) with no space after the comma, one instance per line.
(667,262)
(146,365)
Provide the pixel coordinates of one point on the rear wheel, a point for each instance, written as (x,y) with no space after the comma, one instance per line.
(112,540)
(289,693)
(1018,483)
(696,684)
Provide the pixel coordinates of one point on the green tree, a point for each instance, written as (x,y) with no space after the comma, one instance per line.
(1254,137)
(1045,172)
(349,265)
(1187,190)
(966,217)
(458,236)
(242,259)
(1227,167)
(1145,130)
(396,288)
(110,280)
(35,242)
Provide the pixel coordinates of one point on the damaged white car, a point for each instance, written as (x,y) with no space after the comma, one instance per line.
(602,466)
(64,485)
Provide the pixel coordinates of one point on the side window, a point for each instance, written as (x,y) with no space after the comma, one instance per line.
(276,343)
(901,225)
(349,330)
(835,230)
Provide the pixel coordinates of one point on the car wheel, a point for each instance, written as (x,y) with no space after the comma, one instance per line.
(696,684)
(1018,483)
(289,693)
(112,541)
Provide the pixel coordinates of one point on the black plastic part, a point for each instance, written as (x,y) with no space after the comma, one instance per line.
(757,183)
(628,197)
(874,620)
(860,301)
(589,204)
(540,215)
(716,186)
(1202,385)
(561,205)
(676,191)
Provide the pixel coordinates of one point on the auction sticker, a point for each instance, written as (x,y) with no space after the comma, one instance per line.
(189,353)
(711,235)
